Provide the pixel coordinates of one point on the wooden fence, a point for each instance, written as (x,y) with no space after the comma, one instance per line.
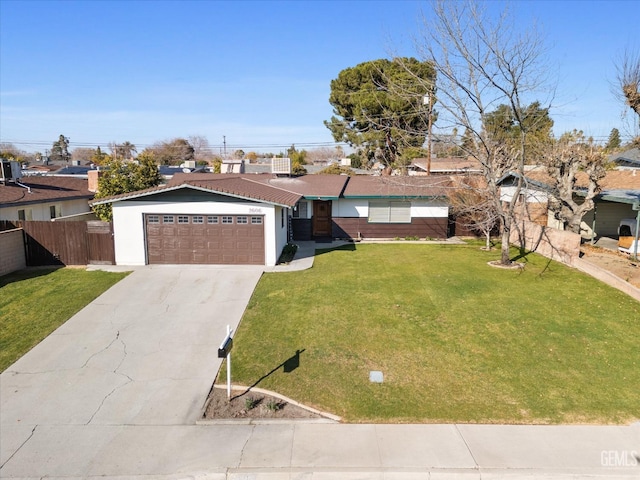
(66,243)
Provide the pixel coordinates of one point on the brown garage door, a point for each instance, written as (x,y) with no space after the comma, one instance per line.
(205,239)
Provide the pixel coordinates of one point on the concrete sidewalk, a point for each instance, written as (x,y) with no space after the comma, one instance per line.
(117,390)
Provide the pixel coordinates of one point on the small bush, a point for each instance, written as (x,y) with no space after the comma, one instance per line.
(273,406)
(250,403)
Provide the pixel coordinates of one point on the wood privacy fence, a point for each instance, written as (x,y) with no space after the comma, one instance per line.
(66,243)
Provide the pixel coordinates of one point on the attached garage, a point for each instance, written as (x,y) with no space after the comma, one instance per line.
(202,219)
(205,239)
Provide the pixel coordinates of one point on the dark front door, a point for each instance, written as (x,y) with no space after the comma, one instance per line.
(321,218)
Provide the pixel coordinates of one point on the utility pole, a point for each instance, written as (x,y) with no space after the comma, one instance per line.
(224,144)
(427,100)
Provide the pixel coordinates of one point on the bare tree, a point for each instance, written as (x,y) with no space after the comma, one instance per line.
(201,149)
(628,87)
(122,151)
(566,157)
(482,62)
(474,208)
(629,81)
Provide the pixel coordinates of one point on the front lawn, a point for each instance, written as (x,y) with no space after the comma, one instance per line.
(456,340)
(34,302)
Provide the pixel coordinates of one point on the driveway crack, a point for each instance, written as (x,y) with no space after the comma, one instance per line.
(33,430)
(102,350)
(115,370)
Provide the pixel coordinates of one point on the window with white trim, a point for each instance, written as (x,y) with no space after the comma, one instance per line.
(183,219)
(227,220)
(389,211)
(212,219)
(153,219)
(167,219)
(197,219)
(242,220)
(256,220)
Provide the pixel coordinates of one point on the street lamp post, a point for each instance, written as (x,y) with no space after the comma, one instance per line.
(426,100)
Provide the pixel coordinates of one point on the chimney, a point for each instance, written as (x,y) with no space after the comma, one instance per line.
(93,176)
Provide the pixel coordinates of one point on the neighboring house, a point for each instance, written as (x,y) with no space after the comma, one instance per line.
(627,159)
(248,219)
(444,166)
(620,190)
(43,198)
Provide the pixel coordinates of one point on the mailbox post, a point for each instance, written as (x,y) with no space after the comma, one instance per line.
(225,351)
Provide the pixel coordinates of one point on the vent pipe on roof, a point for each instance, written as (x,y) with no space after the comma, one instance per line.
(24,186)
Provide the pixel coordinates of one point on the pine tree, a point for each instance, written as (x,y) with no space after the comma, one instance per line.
(614,141)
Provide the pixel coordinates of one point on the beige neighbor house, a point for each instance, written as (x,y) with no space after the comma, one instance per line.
(43,198)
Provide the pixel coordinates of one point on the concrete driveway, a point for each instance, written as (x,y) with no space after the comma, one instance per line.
(143,353)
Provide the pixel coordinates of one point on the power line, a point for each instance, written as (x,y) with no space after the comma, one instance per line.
(210,148)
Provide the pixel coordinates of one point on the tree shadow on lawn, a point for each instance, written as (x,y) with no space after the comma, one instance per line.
(288,366)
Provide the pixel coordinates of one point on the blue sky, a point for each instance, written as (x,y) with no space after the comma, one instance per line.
(257,73)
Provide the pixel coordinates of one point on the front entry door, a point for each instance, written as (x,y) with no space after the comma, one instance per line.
(321,218)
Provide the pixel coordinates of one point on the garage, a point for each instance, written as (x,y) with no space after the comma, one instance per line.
(202,219)
(205,239)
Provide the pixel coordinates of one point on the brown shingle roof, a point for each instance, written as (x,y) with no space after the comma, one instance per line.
(313,186)
(43,189)
(397,186)
(234,185)
(318,186)
(614,179)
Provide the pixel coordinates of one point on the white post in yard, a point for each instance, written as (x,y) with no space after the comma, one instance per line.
(228,368)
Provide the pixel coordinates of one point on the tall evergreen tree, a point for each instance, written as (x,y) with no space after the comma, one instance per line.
(614,141)
(60,150)
(379,106)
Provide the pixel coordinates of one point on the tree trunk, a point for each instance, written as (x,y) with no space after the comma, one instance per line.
(505,258)
(574,223)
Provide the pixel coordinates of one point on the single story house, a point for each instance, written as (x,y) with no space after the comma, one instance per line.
(43,198)
(205,218)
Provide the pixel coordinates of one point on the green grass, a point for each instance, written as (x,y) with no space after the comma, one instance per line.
(456,340)
(34,302)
